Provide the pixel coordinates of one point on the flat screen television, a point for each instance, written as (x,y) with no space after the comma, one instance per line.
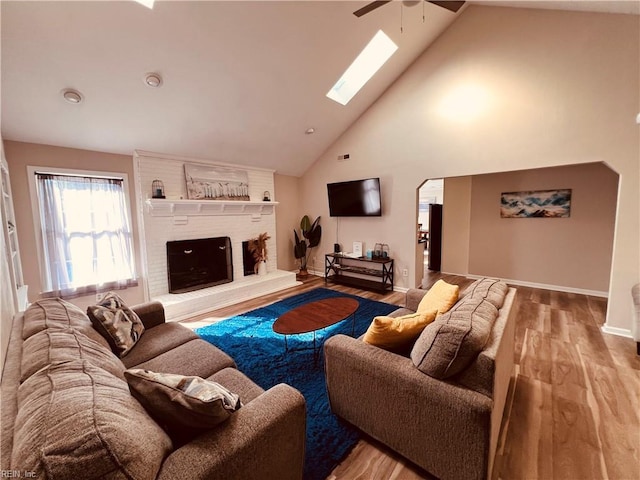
(355,198)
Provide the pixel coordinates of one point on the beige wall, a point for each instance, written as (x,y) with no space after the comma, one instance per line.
(19,156)
(456,225)
(501,90)
(572,252)
(288,217)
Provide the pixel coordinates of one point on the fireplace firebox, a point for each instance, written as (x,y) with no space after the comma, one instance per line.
(199,263)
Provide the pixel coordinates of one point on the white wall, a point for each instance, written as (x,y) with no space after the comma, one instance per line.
(501,90)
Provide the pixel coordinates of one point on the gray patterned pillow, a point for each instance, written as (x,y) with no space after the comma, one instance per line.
(120,325)
(182,402)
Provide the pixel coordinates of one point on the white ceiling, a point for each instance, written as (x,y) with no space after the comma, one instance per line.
(242,80)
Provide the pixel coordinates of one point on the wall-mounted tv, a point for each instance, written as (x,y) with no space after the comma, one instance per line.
(356,198)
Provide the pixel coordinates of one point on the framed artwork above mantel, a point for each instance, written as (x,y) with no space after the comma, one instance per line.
(212,182)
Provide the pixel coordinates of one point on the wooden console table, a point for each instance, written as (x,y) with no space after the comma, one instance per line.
(367,273)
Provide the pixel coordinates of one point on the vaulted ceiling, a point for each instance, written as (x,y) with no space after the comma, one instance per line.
(242,80)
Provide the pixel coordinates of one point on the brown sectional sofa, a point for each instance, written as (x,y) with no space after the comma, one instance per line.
(448,426)
(67,411)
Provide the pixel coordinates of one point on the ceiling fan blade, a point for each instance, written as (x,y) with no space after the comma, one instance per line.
(449,5)
(371,6)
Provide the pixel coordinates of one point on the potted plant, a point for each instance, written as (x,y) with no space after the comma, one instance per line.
(258,249)
(304,243)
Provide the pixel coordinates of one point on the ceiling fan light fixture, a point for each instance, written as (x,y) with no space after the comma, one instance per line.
(367,63)
(153,80)
(72,96)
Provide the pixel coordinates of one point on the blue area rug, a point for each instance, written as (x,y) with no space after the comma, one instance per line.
(260,354)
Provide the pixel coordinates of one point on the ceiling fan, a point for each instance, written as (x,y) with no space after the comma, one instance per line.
(449,5)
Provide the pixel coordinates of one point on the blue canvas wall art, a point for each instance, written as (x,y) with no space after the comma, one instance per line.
(540,203)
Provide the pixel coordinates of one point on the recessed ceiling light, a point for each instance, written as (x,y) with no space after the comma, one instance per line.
(310,131)
(72,96)
(153,80)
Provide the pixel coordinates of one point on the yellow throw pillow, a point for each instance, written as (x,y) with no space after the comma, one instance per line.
(442,296)
(393,333)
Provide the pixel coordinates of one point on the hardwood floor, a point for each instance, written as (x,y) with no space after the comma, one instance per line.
(575,407)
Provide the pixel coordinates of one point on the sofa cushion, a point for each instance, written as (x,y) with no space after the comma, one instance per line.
(395,333)
(76,420)
(196,357)
(494,291)
(453,340)
(57,345)
(57,313)
(441,296)
(117,323)
(182,402)
(157,341)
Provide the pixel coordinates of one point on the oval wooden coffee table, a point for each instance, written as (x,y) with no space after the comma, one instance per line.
(313,316)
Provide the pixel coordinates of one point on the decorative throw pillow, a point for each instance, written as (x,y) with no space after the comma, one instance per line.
(442,296)
(117,323)
(182,403)
(395,333)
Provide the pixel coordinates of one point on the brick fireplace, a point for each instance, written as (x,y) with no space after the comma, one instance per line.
(176,218)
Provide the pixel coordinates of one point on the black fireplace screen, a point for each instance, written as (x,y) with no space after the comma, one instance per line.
(199,263)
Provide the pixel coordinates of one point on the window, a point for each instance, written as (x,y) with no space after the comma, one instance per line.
(87,243)
(366,64)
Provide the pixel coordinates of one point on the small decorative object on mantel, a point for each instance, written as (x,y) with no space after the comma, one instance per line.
(157,189)
(258,249)
(266,196)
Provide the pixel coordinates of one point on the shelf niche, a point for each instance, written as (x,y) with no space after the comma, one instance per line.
(167,208)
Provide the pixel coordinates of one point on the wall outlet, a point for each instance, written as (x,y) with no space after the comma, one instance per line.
(99,296)
(405,272)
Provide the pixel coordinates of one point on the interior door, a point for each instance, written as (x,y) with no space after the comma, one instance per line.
(435,236)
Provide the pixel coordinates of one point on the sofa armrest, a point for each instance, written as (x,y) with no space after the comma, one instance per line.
(414,295)
(442,427)
(151,313)
(264,439)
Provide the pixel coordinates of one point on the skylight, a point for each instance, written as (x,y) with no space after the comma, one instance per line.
(146,3)
(374,55)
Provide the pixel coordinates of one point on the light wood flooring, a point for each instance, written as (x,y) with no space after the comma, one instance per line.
(575,407)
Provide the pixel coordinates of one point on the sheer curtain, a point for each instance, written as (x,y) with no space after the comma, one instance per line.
(87,236)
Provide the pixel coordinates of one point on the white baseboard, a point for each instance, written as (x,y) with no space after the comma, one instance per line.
(621,332)
(542,286)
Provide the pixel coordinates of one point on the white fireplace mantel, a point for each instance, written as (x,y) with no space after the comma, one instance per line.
(159,207)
